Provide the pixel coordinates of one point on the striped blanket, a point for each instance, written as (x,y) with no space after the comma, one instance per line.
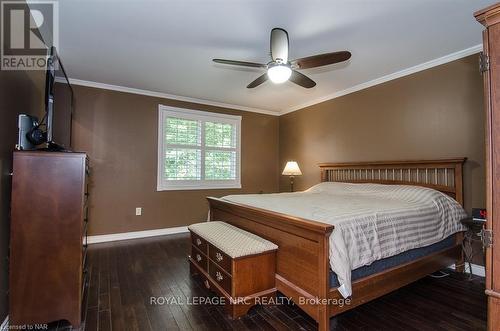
(372,221)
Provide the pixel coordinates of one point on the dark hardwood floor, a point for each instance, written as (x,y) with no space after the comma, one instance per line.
(125,275)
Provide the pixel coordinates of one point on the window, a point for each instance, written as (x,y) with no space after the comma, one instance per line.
(197,150)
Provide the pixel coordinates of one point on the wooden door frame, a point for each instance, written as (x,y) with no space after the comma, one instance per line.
(490,18)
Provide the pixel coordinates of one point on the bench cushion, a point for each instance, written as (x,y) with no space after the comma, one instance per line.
(233,241)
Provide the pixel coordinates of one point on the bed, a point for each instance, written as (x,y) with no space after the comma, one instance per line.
(305,245)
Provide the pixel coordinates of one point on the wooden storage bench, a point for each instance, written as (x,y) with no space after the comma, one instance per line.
(234,263)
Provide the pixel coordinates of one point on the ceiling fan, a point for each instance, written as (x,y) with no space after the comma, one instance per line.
(279,69)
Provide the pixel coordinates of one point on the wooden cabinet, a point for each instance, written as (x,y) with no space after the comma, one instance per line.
(243,281)
(48,237)
(490,66)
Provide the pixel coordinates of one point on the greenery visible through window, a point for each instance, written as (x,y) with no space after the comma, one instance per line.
(219,135)
(198,150)
(220,165)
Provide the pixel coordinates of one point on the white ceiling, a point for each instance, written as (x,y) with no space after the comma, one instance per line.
(167,46)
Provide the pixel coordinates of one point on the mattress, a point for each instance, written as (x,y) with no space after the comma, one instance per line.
(371,221)
(394,261)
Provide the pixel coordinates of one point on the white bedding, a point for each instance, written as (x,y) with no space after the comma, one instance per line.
(372,221)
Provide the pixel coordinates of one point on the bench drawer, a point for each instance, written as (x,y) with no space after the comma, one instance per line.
(219,276)
(223,260)
(199,258)
(199,242)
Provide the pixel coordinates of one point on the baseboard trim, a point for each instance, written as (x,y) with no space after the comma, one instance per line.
(135,235)
(5,324)
(477,269)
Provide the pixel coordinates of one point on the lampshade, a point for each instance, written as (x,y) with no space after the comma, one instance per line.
(292,169)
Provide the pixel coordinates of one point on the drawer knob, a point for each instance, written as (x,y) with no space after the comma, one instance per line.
(207,284)
(219,257)
(198,241)
(219,276)
(198,257)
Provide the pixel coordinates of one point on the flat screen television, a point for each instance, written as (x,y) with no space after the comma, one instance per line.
(58,104)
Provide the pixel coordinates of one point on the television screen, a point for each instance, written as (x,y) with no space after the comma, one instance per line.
(59,100)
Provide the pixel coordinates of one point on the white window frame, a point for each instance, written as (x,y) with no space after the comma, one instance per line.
(203,116)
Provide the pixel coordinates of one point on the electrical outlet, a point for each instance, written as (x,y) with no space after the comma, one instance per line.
(138,211)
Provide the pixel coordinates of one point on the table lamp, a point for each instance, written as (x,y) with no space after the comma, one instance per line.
(291,169)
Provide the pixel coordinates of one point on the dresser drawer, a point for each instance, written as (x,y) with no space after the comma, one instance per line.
(219,276)
(199,242)
(199,258)
(220,258)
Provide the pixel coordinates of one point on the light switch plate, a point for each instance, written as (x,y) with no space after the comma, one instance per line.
(138,211)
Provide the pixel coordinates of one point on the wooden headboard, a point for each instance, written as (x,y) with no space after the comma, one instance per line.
(443,175)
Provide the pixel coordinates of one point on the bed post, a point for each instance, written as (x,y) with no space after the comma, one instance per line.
(324,307)
(459,196)
(459,193)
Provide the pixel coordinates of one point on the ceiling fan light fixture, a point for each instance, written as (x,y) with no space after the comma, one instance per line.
(279,73)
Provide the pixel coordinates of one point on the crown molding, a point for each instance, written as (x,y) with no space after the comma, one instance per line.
(170,96)
(405,72)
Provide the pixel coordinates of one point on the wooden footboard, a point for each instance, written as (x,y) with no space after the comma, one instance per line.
(302,259)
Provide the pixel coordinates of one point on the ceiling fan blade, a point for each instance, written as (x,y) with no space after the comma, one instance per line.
(322,59)
(258,81)
(240,63)
(279,45)
(302,80)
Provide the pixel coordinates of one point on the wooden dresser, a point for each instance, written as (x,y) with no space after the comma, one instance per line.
(243,281)
(48,237)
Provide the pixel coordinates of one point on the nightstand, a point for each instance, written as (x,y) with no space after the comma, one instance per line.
(473,233)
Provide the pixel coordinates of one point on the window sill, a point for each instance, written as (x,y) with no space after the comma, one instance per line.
(198,187)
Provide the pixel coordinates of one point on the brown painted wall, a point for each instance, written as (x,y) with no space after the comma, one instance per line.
(119,132)
(20,92)
(436,113)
